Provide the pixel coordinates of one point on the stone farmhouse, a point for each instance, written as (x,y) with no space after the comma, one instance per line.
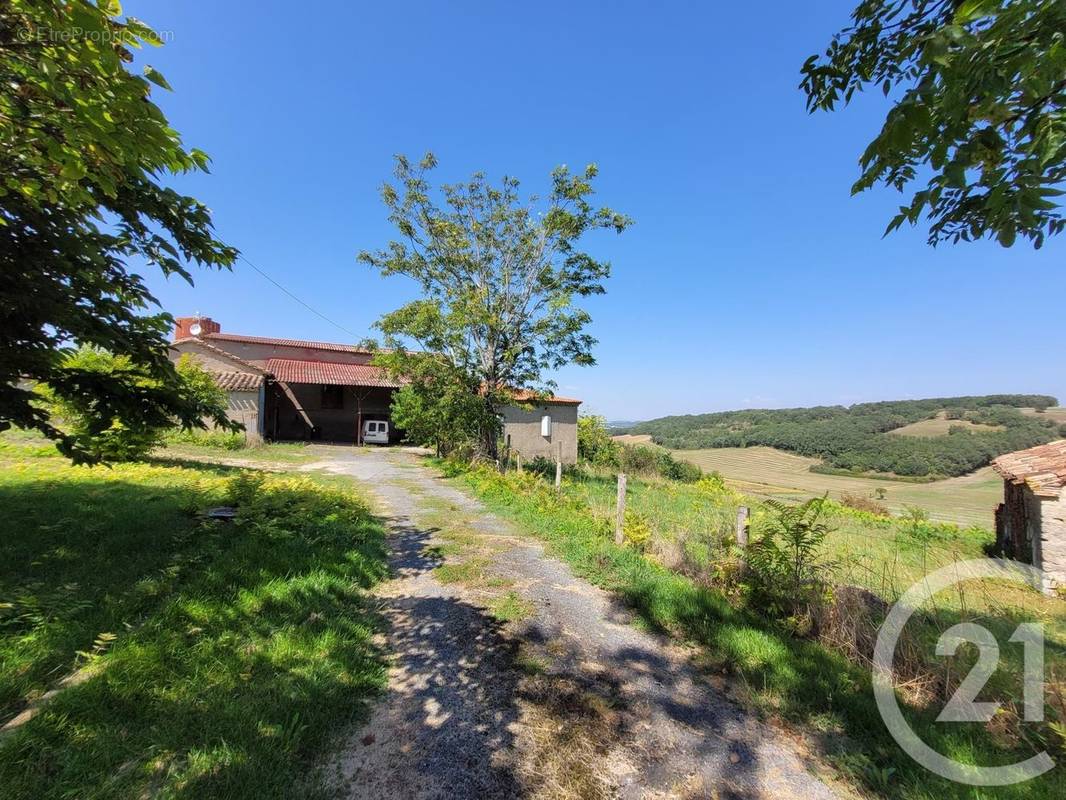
(294,390)
(1031,520)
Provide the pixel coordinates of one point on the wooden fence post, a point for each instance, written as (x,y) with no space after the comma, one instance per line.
(742,527)
(558,476)
(620,510)
(518,461)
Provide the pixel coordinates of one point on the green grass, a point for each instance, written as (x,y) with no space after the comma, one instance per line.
(795,679)
(766,472)
(227,655)
(216,446)
(511,607)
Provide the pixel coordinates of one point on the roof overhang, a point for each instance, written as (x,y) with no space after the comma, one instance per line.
(330,373)
(1041,468)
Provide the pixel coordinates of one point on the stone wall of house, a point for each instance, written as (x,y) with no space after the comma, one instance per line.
(1049,545)
(522,429)
(1013,534)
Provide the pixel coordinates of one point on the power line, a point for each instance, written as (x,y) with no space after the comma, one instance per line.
(314,311)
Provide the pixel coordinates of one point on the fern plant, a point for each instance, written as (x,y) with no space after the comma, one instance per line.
(789,574)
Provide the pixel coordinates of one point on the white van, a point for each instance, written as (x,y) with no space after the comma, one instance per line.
(375,431)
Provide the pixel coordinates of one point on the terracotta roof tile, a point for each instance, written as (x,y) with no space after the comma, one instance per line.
(527,396)
(238,381)
(328,346)
(1041,468)
(293,371)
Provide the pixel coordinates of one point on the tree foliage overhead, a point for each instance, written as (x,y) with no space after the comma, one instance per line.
(499,276)
(83,150)
(857,437)
(979,110)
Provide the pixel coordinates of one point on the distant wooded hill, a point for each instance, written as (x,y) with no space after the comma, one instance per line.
(857,437)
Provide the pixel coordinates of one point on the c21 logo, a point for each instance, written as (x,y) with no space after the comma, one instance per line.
(963,705)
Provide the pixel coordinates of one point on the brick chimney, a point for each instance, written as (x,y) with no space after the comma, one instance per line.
(183,327)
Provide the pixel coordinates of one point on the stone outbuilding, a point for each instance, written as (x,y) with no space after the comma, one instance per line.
(1031,520)
(293,390)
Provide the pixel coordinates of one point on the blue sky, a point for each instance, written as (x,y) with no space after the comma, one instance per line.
(751,276)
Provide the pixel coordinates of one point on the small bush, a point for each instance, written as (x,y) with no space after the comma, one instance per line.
(641,460)
(545,467)
(594,442)
(218,440)
(636,529)
(789,575)
(918,528)
(677,470)
(860,503)
(638,460)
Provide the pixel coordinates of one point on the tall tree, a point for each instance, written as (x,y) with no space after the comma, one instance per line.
(438,405)
(82,152)
(979,111)
(499,277)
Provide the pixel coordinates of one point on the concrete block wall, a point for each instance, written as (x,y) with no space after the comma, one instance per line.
(523,427)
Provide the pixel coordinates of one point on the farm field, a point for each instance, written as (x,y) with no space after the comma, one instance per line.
(940,425)
(766,472)
(1057,413)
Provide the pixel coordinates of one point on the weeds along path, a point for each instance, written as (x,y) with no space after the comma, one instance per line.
(513,678)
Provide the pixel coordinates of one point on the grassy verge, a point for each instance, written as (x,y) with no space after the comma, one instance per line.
(212,444)
(788,677)
(214,659)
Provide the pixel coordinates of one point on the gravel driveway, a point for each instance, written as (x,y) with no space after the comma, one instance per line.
(514,678)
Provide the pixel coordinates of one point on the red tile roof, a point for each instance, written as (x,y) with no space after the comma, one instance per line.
(292,371)
(331,346)
(238,381)
(527,396)
(1041,468)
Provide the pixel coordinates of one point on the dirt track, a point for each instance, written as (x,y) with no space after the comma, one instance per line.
(567,699)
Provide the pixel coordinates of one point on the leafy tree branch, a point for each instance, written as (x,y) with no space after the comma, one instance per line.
(979,111)
(83,150)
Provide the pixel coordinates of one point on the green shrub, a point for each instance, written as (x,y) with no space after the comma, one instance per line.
(678,470)
(636,529)
(116,436)
(594,442)
(638,459)
(218,440)
(789,575)
(642,460)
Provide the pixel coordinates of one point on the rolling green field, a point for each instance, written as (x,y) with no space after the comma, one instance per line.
(766,472)
(1057,413)
(940,425)
(912,438)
